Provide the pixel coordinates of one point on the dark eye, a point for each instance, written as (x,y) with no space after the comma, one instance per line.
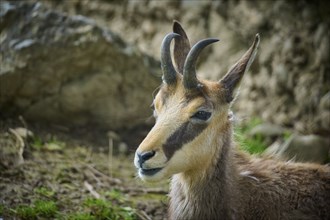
(201,115)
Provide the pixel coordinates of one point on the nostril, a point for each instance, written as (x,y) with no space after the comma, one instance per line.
(145,156)
(148,155)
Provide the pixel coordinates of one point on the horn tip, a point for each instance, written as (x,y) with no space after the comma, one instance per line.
(257,38)
(211,40)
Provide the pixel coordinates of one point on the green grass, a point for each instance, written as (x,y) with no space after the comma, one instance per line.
(59,198)
(2,208)
(37,143)
(113,208)
(104,209)
(43,191)
(39,209)
(287,135)
(53,144)
(92,209)
(253,145)
(80,216)
(25,212)
(46,205)
(100,209)
(115,195)
(46,209)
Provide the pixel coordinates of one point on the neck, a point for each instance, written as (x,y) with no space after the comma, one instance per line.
(192,196)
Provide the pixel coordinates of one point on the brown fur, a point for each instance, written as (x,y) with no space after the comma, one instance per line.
(237,186)
(211,178)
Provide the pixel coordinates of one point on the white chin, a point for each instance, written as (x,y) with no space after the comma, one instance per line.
(151,177)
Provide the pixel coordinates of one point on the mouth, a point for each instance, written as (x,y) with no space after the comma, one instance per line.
(149,172)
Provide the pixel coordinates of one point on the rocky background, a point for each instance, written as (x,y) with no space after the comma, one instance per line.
(96,63)
(77,78)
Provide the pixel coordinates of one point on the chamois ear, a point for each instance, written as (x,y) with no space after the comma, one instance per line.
(181,46)
(232,79)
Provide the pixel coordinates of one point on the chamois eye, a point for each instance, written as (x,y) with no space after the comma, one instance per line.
(201,115)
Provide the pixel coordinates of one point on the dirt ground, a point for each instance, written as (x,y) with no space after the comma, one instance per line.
(63,169)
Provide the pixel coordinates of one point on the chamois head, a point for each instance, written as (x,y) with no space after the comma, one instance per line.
(190,113)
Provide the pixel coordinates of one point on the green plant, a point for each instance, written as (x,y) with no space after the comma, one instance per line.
(45,208)
(102,209)
(248,126)
(40,208)
(287,134)
(25,212)
(80,216)
(115,195)
(99,208)
(127,213)
(44,192)
(53,144)
(2,210)
(37,143)
(253,145)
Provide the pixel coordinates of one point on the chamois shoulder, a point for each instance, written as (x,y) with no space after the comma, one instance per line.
(282,186)
(265,167)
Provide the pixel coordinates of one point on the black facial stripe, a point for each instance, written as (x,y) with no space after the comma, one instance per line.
(184,134)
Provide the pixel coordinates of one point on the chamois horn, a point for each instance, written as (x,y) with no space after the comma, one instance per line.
(169,72)
(189,71)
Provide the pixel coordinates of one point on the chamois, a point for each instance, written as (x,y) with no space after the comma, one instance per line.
(192,142)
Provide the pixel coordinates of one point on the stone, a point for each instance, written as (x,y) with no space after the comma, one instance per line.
(266,130)
(68,70)
(11,149)
(113,135)
(292,61)
(122,148)
(302,148)
(325,102)
(325,120)
(23,132)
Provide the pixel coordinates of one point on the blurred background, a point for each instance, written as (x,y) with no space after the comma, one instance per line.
(77,78)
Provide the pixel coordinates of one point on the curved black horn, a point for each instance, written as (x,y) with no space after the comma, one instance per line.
(189,71)
(169,73)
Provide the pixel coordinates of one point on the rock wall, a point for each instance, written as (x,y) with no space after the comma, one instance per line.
(68,70)
(288,84)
